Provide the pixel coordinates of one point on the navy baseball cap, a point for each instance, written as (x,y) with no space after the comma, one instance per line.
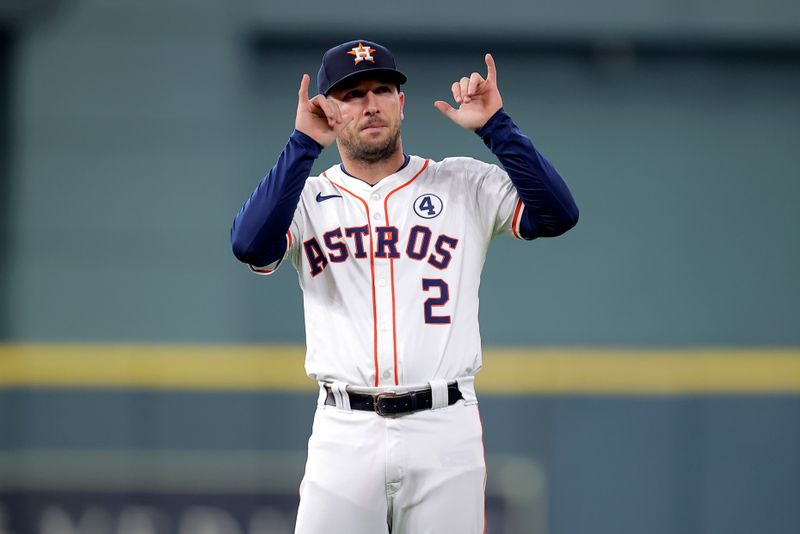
(352,58)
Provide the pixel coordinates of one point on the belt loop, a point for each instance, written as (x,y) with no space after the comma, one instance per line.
(339,390)
(438,394)
(323,394)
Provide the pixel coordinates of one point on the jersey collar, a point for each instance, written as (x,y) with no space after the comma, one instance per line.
(406,159)
(410,167)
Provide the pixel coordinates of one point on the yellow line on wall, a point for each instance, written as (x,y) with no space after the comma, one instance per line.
(646,372)
(506,371)
(216,367)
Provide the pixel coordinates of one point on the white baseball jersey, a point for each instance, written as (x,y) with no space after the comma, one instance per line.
(390,273)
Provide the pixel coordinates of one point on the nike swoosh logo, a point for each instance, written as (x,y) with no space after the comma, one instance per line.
(321,198)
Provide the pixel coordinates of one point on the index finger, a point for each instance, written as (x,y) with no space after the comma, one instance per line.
(302,94)
(491,70)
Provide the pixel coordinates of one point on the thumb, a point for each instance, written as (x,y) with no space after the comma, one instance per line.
(446,109)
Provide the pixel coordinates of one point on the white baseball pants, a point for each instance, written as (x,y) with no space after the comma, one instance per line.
(421,473)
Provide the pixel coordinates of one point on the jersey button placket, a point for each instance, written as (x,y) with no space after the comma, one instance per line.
(383,296)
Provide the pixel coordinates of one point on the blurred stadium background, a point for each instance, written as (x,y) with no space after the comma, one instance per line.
(642,373)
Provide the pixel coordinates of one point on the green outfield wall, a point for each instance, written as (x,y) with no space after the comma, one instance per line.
(686,173)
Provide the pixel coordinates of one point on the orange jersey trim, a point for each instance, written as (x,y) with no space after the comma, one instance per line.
(372,276)
(261,270)
(391,269)
(516,220)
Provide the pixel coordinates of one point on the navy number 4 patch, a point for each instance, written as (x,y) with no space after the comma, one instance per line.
(428,206)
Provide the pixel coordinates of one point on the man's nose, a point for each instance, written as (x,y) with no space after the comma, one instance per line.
(371,102)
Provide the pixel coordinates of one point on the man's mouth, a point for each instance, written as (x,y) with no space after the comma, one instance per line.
(373,125)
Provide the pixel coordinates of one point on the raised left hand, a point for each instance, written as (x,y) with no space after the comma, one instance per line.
(477,98)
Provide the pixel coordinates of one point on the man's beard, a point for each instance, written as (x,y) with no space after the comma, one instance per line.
(369,152)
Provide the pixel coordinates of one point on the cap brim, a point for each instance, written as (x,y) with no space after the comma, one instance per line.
(394,74)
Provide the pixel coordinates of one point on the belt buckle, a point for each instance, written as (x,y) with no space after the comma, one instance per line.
(377,405)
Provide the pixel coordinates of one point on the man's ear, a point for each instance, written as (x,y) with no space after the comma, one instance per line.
(402,104)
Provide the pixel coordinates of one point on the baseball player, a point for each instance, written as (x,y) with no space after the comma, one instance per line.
(389,249)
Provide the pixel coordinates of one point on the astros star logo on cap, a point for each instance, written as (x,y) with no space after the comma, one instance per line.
(362,53)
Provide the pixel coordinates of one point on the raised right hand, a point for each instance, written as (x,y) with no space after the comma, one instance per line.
(318,118)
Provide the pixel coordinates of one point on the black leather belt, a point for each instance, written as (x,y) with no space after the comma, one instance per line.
(388,404)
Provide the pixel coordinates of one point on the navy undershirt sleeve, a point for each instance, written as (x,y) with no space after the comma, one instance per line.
(550,209)
(259,229)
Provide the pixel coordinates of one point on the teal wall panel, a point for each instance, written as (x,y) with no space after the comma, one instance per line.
(685,172)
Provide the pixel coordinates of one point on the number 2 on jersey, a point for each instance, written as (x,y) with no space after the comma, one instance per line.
(441,300)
